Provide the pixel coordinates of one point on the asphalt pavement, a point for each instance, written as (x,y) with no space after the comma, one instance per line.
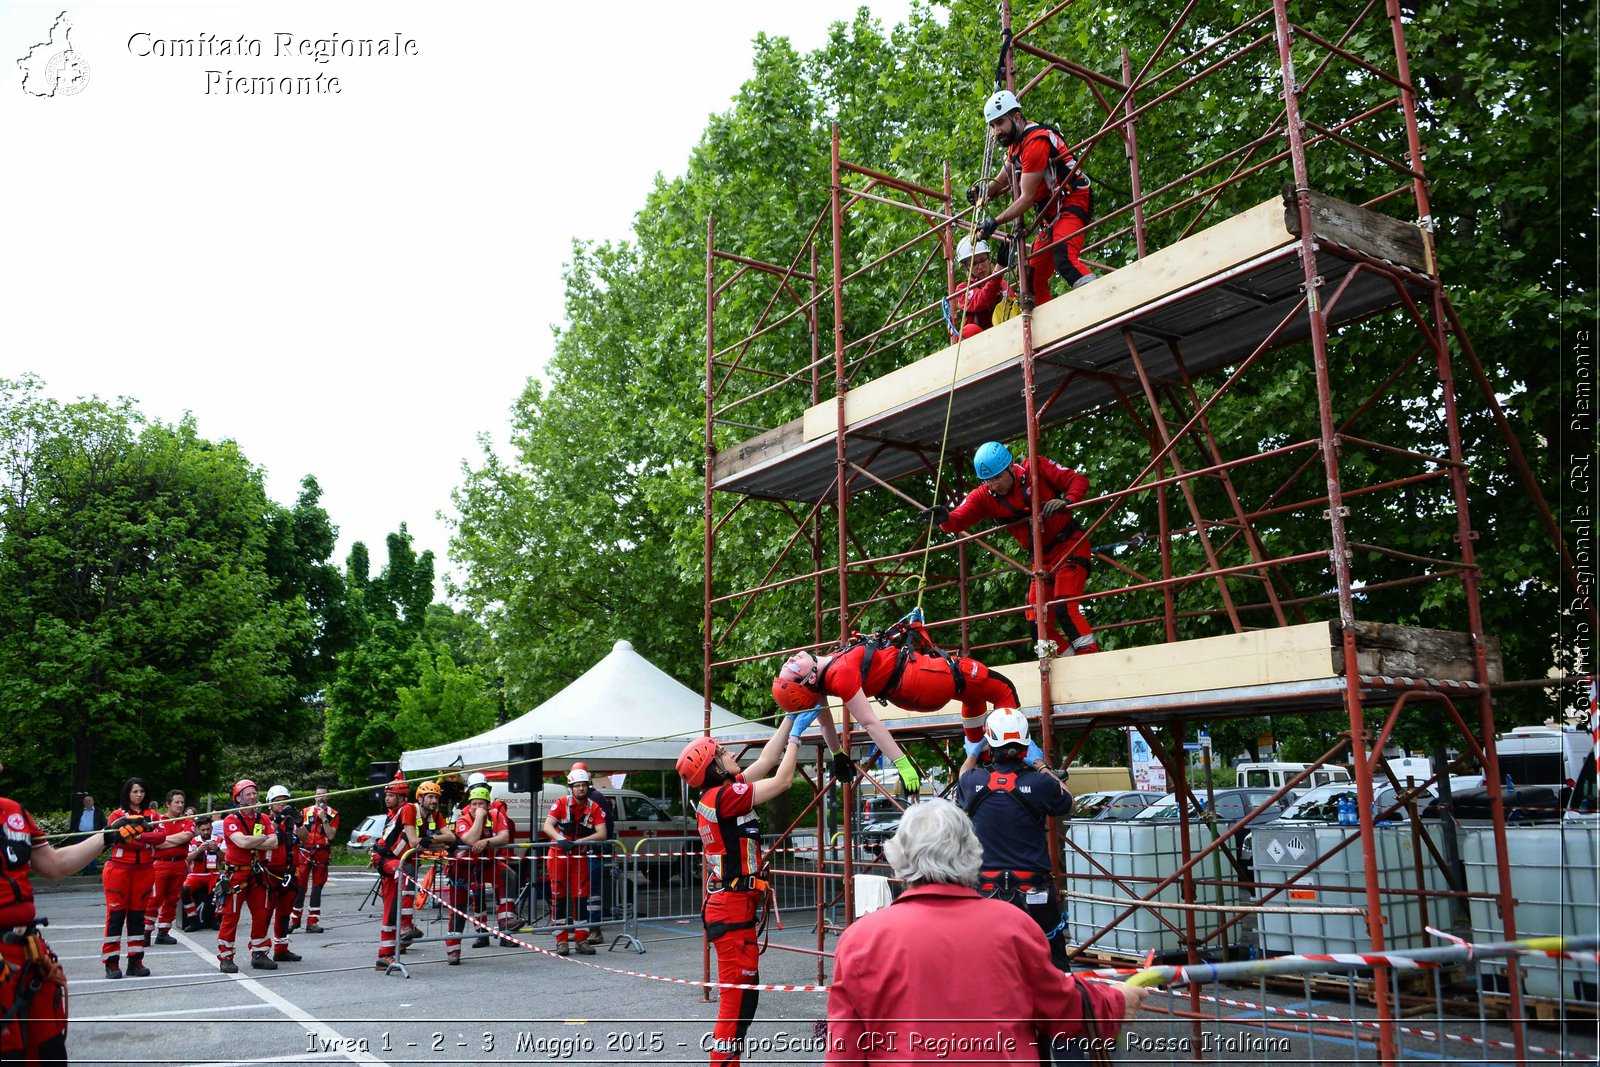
(500,1005)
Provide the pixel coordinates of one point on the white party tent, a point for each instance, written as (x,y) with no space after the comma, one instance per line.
(622,714)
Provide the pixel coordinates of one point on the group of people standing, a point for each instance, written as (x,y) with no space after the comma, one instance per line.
(267,857)
(478,861)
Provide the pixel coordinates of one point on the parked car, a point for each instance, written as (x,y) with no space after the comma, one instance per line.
(870,837)
(363,836)
(1232,805)
(1322,803)
(1113,804)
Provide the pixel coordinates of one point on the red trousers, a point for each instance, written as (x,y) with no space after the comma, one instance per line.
(569,893)
(310,877)
(738,962)
(38,1032)
(198,886)
(279,898)
(169,876)
(927,685)
(127,887)
(1065,623)
(243,890)
(1065,258)
(396,904)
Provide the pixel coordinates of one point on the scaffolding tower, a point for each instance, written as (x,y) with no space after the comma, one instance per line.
(1231,573)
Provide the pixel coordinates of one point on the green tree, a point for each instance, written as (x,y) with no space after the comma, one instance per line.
(138,624)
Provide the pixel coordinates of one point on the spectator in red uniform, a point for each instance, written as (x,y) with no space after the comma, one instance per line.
(1040,173)
(1006,494)
(169,866)
(506,861)
(730,833)
(321,822)
(200,881)
(128,878)
(892,999)
(247,838)
(909,672)
(572,822)
(33,985)
(470,872)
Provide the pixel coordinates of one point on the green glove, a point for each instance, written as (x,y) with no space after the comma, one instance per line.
(908,775)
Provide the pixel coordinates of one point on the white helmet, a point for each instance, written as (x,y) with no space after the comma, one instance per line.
(1002,103)
(1005,726)
(966,249)
(477,778)
(277,793)
(576,775)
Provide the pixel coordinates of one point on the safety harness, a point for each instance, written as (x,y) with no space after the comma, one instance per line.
(1010,885)
(39,965)
(1062,176)
(901,636)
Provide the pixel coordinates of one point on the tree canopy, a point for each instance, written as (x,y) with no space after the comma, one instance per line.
(592,528)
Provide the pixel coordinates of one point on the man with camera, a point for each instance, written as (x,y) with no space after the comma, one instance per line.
(279,871)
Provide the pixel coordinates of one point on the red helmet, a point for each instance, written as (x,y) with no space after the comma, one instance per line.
(792,688)
(239,787)
(697,755)
(398,786)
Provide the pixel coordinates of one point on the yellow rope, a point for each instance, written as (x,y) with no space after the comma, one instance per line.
(955,365)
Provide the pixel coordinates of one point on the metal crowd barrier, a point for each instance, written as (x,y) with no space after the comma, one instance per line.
(607,907)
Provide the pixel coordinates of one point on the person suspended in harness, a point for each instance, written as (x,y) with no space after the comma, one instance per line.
(1008,803)
(1006,494)
(900,666)
(1040,172)
(730,835)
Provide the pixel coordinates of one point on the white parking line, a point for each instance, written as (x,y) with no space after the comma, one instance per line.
(149,954)
(300,1058)
(198,1015)
(162,977)
(325,1033)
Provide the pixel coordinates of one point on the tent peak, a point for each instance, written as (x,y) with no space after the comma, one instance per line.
(623,646)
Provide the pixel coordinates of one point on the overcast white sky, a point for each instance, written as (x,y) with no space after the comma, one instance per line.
(356,285)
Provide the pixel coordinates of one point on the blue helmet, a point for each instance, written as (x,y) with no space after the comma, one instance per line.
(993,459)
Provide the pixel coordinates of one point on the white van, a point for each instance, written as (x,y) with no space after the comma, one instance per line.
(638,816)
(1274,775)
(1544,755)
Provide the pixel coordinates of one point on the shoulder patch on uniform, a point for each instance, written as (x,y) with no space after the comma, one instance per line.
(14,821)
(739,788)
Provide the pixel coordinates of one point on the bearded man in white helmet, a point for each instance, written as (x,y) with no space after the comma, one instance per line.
(1040,173)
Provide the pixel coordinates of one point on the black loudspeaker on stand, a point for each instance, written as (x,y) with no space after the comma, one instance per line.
(525,766)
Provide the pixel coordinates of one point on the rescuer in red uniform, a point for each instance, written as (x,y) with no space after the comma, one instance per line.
(1040,173)
(470,872)
(321,825)
(1006,494)
(504,857)
(247,837)
(572,822)
(170,867)
(730,831)
(987,292)
(906,669)
(410,827)
(128,878)
(33,986)
(278,872)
